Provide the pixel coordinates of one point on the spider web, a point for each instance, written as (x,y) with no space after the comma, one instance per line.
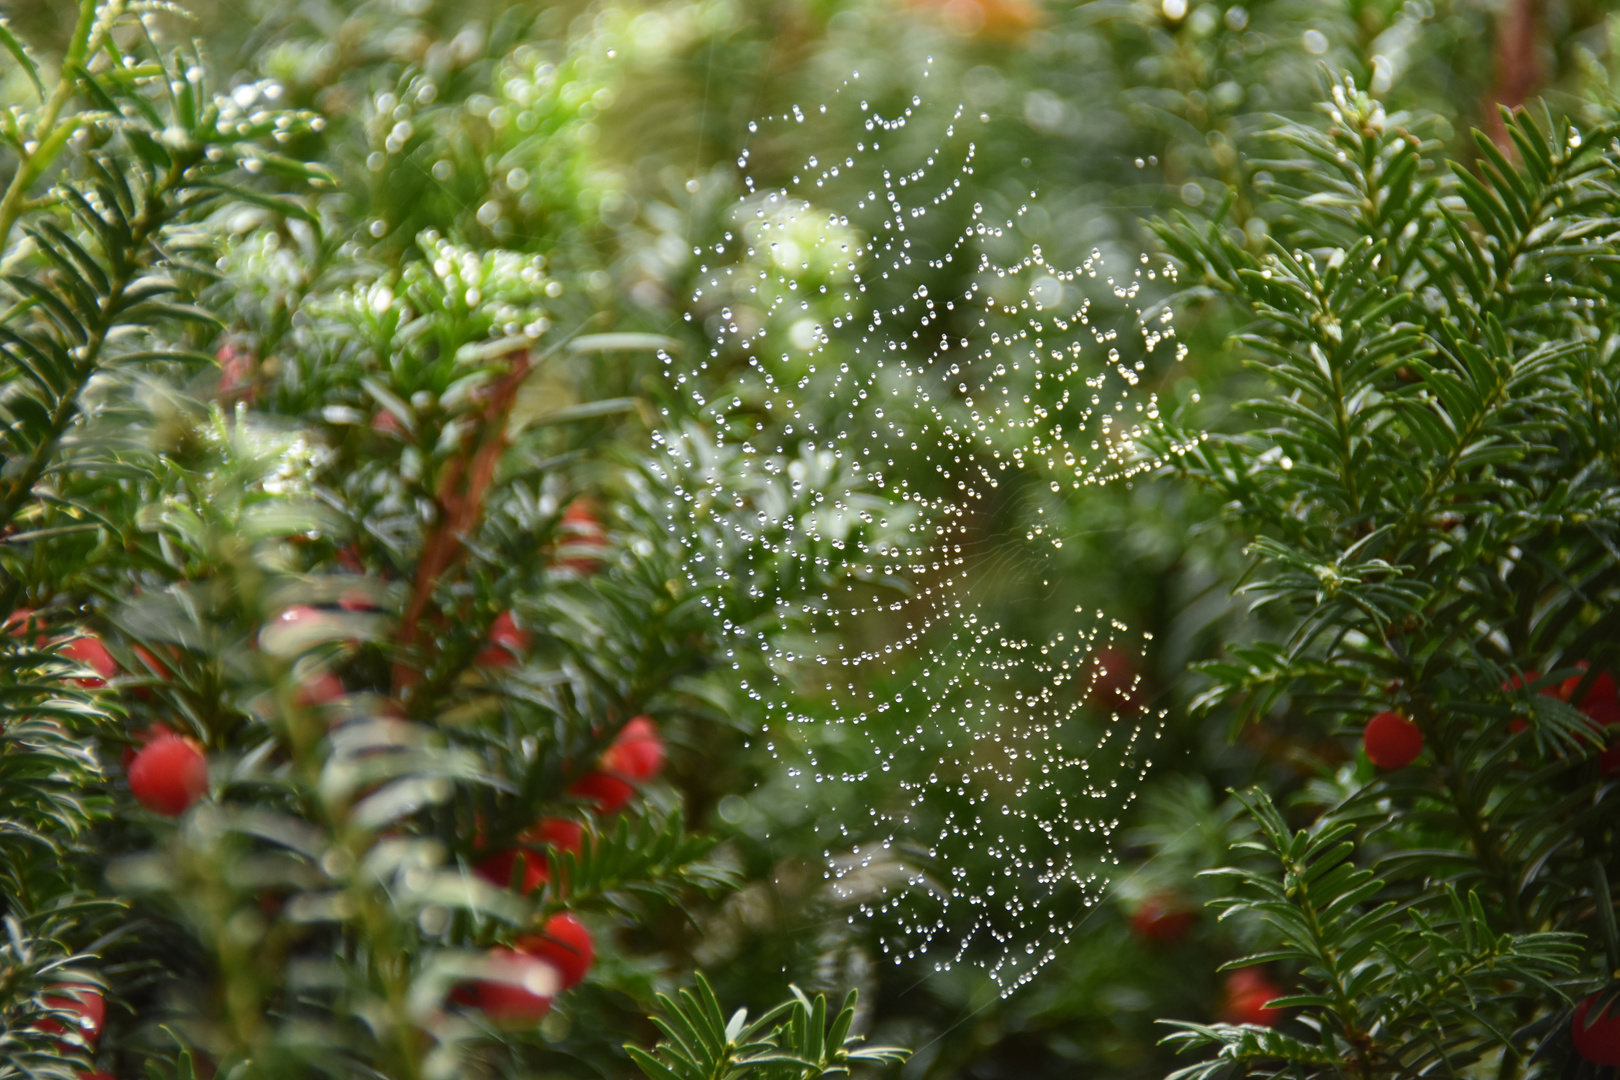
(911,363)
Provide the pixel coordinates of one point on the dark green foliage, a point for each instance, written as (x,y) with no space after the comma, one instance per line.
(54,922)
(1394,988)
(292,486)
(159,149)
(793,1041)
(136,150)
(1429,497)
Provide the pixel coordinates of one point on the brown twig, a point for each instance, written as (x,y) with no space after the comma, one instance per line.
(1518,71)
(460,499)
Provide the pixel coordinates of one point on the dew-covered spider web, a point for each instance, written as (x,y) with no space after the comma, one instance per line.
(893,365)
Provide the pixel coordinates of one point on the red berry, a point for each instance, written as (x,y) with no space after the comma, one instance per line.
(296,629)
(637,753)
(566,945)
(1599,1040)
(498,868)
(556,833)
(507,642)
(1392,741)
(1113,680)
(149,658)
(580,515)
(504,631)
(525,991)
(1162,919)
(322,689)
(1250,1009)
(583,538)
(357,600)
(608,793)
(559,833)
(348,557)
(1518,723)
(1602,701)
(92,653)
(168,775)
(86,1003)
(1514,682)
(235,373)
(1609,760)
(1247,992)
(16,623)
(144,736)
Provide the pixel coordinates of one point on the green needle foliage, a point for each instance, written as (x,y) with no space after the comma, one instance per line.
(338,517)
(1393,988)
(790,1042)
(1429,501)
(327,379)
(151,150)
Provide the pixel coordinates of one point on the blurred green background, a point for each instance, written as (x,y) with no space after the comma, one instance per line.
(606,135)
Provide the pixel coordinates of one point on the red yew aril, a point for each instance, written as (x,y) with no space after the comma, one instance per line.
(507,643)
(637,753)
(498,869)
(297,628)
(525,992)
(1515,682)
(555,833)
(357,600)
(86,1003)
(154,666)
(504,631)
(168,775)
(236,372)
(1602,700)
(583,536)
(566,945)
(1392,741)
(1518,723)
(1113,679)
(608,793)
(1597,1038)
(90,651)
(16,623)
(1250,1009)
(1162,919)
(322,688)
(144,736)
(559,833)
(1247,991)
(149,658)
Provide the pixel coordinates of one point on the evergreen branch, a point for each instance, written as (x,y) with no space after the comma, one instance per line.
(791,1041)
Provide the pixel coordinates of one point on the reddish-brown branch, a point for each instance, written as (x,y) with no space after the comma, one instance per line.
(462,489)
(1518,71)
